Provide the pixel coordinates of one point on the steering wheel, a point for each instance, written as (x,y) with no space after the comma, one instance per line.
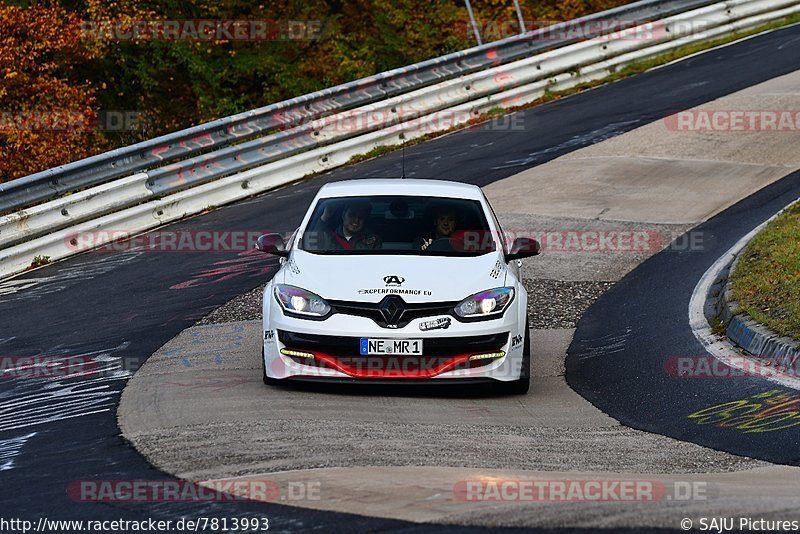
(443,244)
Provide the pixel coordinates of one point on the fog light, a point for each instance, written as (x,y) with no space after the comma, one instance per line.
(487,356)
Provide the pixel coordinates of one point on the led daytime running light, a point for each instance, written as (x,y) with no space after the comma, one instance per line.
(297,353)
(487,356)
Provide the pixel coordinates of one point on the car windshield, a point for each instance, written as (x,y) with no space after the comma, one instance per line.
(408,225)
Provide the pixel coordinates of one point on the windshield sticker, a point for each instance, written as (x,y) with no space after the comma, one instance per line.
(393,280)
(394,291)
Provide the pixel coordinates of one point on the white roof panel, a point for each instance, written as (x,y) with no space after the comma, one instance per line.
(398,186)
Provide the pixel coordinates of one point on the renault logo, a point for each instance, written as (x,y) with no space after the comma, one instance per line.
(393,280)
(392,308)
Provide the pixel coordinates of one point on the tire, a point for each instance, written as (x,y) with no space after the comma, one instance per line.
(522,385)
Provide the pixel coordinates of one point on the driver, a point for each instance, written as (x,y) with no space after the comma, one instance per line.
(351,233)
(445,222)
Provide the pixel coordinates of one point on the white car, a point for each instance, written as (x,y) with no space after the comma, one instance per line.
(398,281)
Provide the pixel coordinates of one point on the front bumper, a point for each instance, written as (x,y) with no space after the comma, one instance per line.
(441,355)
(328,350)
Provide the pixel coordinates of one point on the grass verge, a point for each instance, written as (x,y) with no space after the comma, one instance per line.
(766,283)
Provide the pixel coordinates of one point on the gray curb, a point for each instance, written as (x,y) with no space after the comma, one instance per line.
(755,339)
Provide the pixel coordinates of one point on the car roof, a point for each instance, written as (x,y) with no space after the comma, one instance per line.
(401,186)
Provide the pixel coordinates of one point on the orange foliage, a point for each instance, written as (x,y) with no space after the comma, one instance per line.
(47,117)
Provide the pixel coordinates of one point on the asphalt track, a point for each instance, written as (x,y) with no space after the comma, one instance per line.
(123,306)
(622,358)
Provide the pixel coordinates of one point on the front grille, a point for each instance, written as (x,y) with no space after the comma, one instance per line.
(433,347)
(407,313)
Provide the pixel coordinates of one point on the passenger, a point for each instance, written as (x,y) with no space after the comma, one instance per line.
(445,222)
(351,233)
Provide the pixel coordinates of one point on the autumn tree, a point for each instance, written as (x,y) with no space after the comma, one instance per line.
(47,113)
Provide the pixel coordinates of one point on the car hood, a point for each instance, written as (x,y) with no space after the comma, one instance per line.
(369,278)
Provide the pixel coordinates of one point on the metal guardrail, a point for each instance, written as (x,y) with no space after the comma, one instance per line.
(289,114)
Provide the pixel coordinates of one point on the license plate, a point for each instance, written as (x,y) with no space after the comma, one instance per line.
(381,347)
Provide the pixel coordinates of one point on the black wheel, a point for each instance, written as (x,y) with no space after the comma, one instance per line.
(522,385)
(267,380)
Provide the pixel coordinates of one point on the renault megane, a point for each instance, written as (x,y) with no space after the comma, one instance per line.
(398,281)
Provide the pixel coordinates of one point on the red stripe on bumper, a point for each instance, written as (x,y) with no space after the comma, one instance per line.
(396,371)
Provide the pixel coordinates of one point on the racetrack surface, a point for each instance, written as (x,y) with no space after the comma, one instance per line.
(121,307)
(642,323)
(197,408)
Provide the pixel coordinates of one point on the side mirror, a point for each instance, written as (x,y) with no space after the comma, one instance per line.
(523,247)
(272,244)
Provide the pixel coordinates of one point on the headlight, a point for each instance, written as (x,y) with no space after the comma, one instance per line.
(485,304)
(295,300)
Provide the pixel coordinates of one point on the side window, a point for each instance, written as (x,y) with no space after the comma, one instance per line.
(312,236)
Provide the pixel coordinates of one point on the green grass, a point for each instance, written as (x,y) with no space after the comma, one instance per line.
(38,261)
(718,327)
(767,279)
(374,153)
